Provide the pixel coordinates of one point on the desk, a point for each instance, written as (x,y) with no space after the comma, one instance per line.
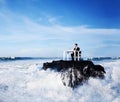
(67,52)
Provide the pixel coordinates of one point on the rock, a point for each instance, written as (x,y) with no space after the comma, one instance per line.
(98,71)
(74,73)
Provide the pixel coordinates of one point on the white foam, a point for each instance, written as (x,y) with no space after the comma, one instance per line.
(23,81)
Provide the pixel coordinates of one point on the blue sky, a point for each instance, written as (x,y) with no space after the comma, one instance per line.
(48,27)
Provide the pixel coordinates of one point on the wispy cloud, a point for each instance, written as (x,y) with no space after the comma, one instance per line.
(22,25)
(19,28)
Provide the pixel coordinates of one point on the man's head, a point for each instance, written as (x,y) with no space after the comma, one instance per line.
(76,44)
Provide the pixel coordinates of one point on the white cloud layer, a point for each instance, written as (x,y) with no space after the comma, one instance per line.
(26,82)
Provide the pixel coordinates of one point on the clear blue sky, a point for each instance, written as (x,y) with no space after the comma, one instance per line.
(47,27)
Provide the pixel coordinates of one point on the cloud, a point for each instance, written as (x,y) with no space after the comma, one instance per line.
(17,28)
(20,27)
(52,20)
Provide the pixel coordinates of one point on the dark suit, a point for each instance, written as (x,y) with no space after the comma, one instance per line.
(76,53)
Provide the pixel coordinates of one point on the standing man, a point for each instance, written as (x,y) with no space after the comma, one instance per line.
(77,51)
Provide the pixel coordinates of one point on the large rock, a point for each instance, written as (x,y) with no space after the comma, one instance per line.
(74,73)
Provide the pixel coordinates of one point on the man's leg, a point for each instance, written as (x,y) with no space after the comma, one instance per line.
(72,56)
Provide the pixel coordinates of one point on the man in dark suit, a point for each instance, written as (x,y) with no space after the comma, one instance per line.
(75,55)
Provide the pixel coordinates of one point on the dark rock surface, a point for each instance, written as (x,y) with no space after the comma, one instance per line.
(74,73)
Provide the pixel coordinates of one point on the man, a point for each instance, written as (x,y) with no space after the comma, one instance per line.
(77,51)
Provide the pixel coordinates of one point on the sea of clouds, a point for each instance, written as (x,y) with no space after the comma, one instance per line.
(24,81)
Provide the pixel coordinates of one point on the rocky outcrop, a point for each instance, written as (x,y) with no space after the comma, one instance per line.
(74,73)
